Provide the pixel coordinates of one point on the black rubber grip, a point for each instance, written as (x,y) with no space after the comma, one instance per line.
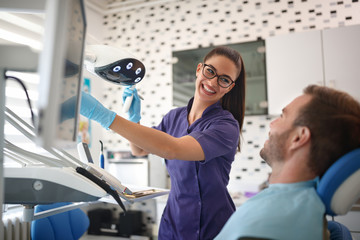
(101,184)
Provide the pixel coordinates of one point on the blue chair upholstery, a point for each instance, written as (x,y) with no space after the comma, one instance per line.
(338,231)
(339,187)
(68,225)
(339,190)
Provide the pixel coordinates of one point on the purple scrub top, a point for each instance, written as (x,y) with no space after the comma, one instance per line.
(199,204)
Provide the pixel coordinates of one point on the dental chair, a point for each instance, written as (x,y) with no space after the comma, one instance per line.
(70,225)
(339,189)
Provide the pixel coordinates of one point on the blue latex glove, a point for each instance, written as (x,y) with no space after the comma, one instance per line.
(94,110)
(135,107)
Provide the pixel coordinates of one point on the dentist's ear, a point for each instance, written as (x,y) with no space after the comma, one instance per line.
(231,87)
(300,137)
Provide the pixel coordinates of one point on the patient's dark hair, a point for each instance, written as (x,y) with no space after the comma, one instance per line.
(333,118)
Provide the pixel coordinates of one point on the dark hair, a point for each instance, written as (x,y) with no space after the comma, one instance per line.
(233,101)
(333,118)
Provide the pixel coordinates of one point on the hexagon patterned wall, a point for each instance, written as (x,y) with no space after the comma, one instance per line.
(156,28)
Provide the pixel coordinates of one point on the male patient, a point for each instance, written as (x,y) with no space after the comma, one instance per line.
(313,131)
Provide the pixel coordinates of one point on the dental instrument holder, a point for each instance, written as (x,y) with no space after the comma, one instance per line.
(102,159)
(115,65)
(102,174)
(99,176)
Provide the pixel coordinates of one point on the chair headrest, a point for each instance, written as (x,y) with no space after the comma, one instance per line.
(339,188)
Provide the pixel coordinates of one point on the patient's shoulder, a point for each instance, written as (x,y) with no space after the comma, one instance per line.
(252,238)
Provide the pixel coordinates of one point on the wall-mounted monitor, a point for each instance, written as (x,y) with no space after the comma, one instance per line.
(60,70)
(253,54)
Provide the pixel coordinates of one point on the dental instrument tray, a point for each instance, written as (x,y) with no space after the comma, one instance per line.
(139,193)
(143,193)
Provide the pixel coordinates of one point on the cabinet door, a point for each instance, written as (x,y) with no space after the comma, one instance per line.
(342,59)
(293,61)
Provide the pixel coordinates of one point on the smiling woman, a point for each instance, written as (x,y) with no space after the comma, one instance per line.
(198,142)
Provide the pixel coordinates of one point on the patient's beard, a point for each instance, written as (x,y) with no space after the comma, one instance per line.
(275,149)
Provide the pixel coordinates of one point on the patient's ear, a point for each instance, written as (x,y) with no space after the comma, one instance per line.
(300,137)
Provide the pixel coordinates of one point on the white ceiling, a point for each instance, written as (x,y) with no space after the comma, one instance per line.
(21,28)
(109,6)
(17,27)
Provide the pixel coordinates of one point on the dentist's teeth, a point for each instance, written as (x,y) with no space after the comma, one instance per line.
(208,90)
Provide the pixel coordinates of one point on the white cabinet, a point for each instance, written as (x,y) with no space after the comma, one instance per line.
(342,59)
(130,170)
(330,57)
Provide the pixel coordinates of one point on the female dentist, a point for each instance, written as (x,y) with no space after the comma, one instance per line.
(199,143)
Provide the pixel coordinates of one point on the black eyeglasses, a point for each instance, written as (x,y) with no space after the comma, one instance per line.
(209,72)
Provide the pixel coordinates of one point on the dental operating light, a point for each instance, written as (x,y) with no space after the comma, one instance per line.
(114,64)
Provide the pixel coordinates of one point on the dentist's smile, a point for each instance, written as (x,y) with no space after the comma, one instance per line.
(207,89)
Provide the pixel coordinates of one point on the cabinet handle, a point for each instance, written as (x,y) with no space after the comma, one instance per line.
(320,83)
(331,83)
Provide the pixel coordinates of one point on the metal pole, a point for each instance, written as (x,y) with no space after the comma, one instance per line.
(2,122)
